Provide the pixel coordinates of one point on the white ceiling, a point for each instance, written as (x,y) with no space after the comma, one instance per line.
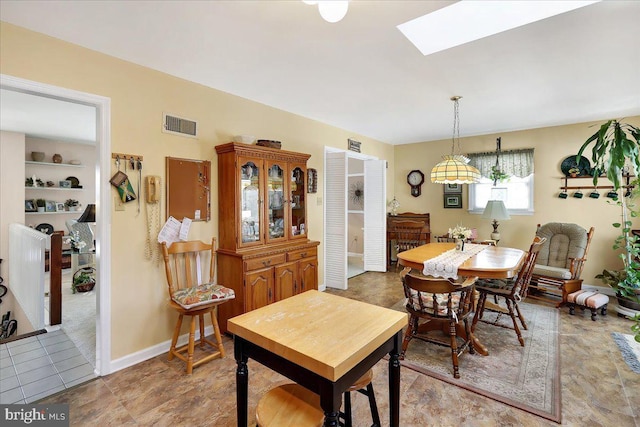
(361,74)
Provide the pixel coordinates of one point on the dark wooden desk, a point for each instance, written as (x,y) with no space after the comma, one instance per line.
(323,342)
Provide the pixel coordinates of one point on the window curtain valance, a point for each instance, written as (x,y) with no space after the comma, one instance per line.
(512,162)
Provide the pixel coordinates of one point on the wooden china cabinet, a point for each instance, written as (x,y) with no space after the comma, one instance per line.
(264,253)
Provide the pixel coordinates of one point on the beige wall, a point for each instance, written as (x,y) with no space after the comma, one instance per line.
(11,211)
(139,96)
(552,145)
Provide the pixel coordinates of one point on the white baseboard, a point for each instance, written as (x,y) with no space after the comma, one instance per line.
(153,351)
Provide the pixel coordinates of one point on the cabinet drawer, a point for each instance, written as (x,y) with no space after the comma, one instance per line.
(303,253)
(268,261)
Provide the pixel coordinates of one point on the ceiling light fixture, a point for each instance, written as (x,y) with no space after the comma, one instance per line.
(453,169)
(474,20)
(330,10)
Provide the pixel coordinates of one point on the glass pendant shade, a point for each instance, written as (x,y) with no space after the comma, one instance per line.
(454,169)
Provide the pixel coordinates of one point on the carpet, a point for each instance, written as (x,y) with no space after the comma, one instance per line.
(630,349)
(527,378)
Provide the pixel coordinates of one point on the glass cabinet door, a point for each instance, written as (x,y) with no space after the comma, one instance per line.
(298,201)
(250,201)
(276,201)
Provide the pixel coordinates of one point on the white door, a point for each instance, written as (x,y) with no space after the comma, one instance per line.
(375,215)
(335,220)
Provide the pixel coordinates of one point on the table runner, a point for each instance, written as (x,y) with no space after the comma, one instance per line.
(446,264)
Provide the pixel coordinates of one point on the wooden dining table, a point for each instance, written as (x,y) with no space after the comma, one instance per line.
(321,341)
(492,262)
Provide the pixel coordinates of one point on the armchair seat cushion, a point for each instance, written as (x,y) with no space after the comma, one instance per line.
(201,295)
(427,302)
(555,272)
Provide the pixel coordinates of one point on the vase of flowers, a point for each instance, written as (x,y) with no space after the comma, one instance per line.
(460,234)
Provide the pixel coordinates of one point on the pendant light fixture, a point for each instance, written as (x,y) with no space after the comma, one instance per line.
(454,169)
(330,10)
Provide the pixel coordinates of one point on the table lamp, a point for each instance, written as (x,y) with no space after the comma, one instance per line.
(495,210)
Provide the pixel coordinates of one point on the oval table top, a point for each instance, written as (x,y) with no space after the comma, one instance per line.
(492,263)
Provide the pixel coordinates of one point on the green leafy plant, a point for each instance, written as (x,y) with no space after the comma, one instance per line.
(84,278)
(41,203)
(615,145)
(497,175)
(71,203)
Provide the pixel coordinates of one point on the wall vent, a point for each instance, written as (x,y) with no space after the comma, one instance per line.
(179,125)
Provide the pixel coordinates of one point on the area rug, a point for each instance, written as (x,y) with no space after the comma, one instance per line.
(527,378)
(630,349)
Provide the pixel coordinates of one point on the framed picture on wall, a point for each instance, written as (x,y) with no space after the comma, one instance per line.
(452,188)
(453,201)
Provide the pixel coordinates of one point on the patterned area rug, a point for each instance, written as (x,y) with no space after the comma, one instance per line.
(630,350)
(527,378)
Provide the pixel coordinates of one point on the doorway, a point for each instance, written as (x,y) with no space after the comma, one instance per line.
(102,238)
(354,216)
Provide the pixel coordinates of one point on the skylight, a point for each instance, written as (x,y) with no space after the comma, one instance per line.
(466,21)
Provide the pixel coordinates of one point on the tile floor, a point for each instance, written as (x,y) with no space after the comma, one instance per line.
(598,388)
(39,366)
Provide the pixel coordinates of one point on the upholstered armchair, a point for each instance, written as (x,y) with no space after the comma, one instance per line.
(560,261)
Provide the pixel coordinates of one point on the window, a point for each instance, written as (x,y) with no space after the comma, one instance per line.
(516,191)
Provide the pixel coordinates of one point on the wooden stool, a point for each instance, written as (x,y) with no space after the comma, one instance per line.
(364,386)
(588,299)
(289,405)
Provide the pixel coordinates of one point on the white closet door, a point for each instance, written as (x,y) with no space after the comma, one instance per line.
(375,216)
(335,219)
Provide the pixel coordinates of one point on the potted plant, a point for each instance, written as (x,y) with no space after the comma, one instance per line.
(71,204)
(497,175)
(614,145)
(573,172)
(83,280)
(40,203)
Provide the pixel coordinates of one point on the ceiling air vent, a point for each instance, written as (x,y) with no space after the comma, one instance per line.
(179,126)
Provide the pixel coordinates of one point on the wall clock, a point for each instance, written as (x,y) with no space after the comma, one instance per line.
(415,180)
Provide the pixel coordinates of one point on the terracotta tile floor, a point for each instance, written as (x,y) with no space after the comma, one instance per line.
(598,388)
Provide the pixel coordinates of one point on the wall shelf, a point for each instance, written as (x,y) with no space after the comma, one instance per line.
(31,162)
(54,188)
(566,185)
(54,213)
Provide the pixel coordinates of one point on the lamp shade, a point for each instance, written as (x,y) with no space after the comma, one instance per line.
(89,214)
(495,209)
(454,170)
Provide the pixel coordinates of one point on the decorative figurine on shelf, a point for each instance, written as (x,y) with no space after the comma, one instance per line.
(57,158)
(393,206)
(573,172)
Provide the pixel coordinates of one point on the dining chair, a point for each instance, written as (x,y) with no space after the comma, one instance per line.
(408,235)
(440,303)
(194,293)
(561,260)
(512,291)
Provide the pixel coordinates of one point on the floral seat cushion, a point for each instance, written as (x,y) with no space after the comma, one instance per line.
(427,302)
(202,294)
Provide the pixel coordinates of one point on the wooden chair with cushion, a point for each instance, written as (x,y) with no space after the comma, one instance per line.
(512,291)
(442,304)
(560,262)
(408,235)
(193,293)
